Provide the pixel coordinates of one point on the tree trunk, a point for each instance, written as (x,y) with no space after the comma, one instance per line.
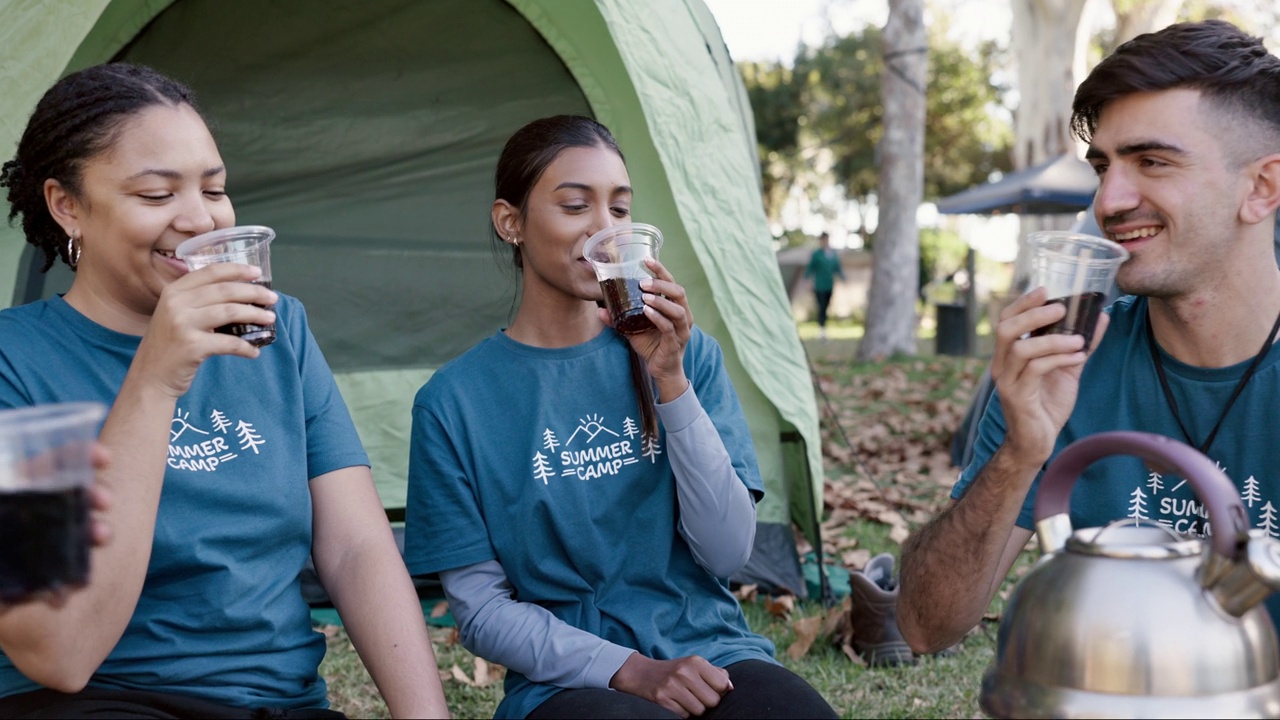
(1135,17)
(891,303)
(1049,50)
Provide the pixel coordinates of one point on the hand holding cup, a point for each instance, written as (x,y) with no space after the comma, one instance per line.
(48,459)
(247,245)
(1076,271)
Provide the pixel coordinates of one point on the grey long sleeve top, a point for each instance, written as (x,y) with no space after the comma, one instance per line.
(717,520)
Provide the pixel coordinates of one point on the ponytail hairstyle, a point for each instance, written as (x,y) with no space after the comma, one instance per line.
(523,161)
(534,147)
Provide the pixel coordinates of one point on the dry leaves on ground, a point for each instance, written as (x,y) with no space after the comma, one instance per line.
(886,445)
(483,674)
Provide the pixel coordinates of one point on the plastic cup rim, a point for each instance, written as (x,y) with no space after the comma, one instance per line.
(192,246)
(633,227)
(35,419)
(1041,238)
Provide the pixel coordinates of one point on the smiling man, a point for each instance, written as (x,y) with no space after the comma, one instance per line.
(1183,127)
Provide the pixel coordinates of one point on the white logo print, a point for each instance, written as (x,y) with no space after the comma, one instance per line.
(1152,500)
(593,450)
(192,448)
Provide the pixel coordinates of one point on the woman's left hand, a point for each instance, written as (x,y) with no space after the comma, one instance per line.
(662,348)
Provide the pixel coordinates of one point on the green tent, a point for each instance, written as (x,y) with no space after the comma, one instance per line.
(366,131)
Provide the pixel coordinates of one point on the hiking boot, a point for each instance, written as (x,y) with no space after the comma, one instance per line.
(874,594)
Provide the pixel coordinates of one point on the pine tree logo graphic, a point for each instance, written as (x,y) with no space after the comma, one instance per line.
(220,421)
(541,468)
(249,437)
(1138,505)
(1155,483)
(1251,494)
(629,428)
(1268,521)
(549,440)
(650,448)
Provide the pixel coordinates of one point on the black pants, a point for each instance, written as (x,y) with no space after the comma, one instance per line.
(102,703)
(824,301)
(760,690)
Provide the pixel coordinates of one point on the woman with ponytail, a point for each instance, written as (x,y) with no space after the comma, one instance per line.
(581,547)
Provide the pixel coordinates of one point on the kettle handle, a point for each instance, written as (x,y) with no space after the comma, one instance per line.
(1229,523)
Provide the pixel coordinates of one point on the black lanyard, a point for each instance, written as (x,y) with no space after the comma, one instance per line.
(1173,404)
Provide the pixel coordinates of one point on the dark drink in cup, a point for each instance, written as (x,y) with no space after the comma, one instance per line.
(46,466)
(256,335)
(625,302)
(44,541)
(245,244)
(1082,316)
(619,255)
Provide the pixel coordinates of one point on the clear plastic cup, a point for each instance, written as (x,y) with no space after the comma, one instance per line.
(46,467)
(246,244)
(1078,271)
(618,253)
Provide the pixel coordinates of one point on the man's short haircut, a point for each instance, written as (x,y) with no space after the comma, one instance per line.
(1231,68)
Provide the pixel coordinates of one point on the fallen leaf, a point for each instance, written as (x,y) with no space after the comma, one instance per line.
(482,673)
(837,616)
(329,630)
(856,559)
(780,606)
(746,593)
(899,533)
(853,655)
(440,609)
(806,632)
(459,675)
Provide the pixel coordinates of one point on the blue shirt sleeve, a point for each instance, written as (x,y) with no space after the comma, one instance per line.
(991,432)
(441,504)
(332,440)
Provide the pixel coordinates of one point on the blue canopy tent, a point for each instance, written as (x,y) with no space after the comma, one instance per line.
(1063,185)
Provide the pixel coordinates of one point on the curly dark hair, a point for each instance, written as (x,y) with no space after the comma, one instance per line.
(1228,66)
(77,119)
(535,146)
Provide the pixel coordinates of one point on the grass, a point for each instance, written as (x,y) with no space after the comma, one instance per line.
(898,414)
(942,687)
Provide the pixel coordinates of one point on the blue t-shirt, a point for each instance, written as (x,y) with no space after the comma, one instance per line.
(221,616)
(1119,390)
(534,457)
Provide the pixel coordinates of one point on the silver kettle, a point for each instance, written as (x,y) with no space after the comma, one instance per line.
(1132,619)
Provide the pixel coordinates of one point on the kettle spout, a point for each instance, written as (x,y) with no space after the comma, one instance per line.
(1252,578)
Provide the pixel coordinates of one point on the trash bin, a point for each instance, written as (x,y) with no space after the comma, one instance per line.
(953,329)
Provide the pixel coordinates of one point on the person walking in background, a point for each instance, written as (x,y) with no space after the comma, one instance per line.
(824,267)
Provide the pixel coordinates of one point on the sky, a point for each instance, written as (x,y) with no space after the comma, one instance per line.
(772,29)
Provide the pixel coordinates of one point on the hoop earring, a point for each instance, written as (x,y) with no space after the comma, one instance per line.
(73,252)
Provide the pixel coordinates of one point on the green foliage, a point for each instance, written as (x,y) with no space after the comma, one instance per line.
(824,116)
(775,99)
(942,252)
